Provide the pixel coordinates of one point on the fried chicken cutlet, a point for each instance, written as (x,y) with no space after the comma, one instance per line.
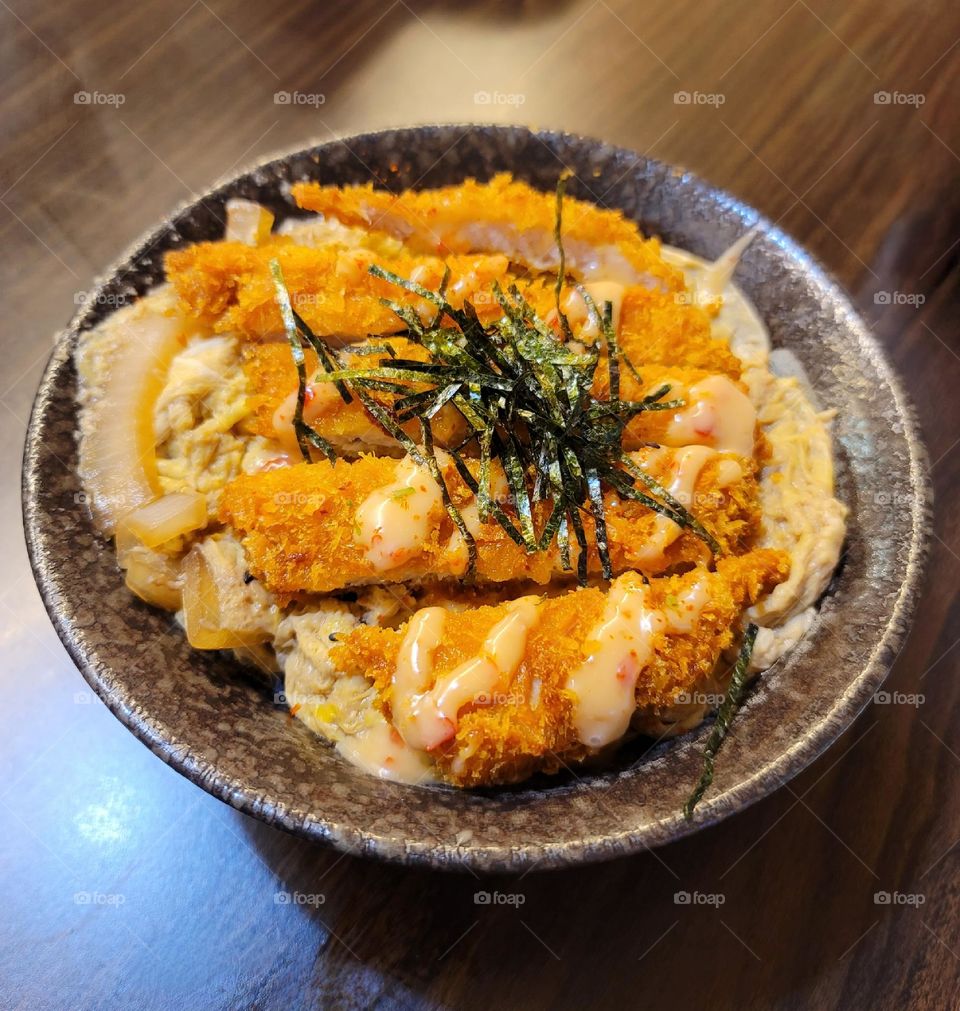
(530,685)
(319,528)
(228,286)
(502,216)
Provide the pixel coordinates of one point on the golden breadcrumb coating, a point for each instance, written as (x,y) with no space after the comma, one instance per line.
(229,287)
(299,528)
(655,327)
(658,328)
(527,725)
(272,378)
(494,217)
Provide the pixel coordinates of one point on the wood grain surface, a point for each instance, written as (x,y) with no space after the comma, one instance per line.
(124,886)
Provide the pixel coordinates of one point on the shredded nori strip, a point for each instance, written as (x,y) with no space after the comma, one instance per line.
(558,238)
(306,436)
(727,711)
(325,354)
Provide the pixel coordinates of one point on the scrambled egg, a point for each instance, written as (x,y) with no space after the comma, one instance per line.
(204,400)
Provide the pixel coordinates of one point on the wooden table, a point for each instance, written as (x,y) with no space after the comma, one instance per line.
(121,884)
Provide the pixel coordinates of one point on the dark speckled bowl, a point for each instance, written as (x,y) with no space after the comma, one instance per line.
(216,724)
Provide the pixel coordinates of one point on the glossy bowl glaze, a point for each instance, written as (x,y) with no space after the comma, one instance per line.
(217,724)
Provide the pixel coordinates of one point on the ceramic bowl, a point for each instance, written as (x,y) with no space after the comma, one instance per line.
(217,724)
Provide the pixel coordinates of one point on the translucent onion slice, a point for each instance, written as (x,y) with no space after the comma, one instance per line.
(247,222)
(163,519)
(152,578)
(117,453)
(207,611)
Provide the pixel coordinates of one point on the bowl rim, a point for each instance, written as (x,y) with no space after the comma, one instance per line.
(786,764)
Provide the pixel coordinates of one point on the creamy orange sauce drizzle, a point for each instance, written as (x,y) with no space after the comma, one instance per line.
(321,399)
(618,649)
(415,713)
(603,686)
(728,472)
(426,717)
(580,318)
(426,310)
(381,751)
(684,616)
(685,468)
(500,656)
(394,522)
(717,414)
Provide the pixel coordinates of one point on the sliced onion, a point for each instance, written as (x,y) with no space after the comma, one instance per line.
(208,617)
(125,542)
(247,222)
(117,453)
(163,519)
(151,577)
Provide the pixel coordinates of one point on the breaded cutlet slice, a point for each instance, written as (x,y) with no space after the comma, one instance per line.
(302,533)
(654,327)
(502,216)
(272,378)
(527,723)
(228,286)
(272,384)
